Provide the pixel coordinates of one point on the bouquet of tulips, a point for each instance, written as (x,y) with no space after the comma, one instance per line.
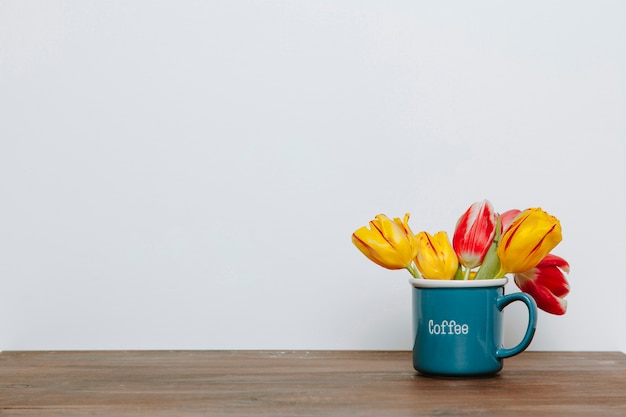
(485,245)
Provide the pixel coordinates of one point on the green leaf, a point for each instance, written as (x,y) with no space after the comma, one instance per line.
(491,264)
(459,273)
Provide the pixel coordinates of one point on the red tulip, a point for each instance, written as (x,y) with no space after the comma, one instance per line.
(507,218)
(547,284)
(474,233)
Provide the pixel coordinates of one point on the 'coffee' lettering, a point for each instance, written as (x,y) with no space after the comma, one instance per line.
(447,327)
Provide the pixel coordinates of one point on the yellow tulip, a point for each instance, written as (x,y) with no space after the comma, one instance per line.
(390,244)
(436,258)
(531,236)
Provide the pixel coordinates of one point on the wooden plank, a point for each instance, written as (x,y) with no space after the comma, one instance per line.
(299,383)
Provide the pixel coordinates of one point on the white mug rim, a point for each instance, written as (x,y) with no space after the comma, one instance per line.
(448,283)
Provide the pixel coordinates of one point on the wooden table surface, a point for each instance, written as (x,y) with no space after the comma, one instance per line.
(302,383)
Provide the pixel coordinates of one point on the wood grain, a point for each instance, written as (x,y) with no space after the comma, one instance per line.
(299,383)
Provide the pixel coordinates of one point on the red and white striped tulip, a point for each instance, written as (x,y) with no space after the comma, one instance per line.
(474,233)
(547,284)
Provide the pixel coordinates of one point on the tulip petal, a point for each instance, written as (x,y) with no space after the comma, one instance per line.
(545,299)
(555,261)
(507,218)
(551,276)
(547,284)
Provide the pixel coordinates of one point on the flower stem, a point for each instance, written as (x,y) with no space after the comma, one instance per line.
(413,270)
(466,274)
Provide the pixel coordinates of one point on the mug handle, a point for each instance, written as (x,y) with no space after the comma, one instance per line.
(532,322)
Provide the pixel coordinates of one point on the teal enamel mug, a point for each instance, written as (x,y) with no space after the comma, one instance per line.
(458,329)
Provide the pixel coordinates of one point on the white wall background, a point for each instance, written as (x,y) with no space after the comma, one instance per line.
(187,174)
